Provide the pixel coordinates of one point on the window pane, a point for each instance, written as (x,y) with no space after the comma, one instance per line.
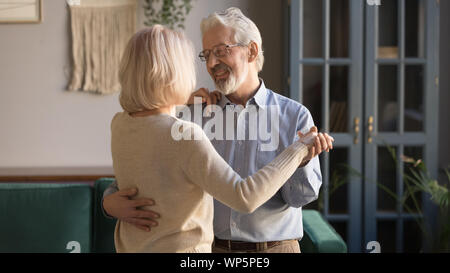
(415,153)
(387,98)
(313,29)
(339,28)
(414,83)
(341,229)
(312,92)
(386,179)
(386,235)
(388,33)
(338,182)
(338,99)
(412,237)
(414,28)
(321,199)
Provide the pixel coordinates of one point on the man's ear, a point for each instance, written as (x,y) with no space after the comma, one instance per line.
(253,51)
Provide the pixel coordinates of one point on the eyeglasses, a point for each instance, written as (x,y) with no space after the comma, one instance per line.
(219,51)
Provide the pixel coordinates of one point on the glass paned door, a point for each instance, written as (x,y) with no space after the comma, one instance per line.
(400,98)
(368,74)
(326,76)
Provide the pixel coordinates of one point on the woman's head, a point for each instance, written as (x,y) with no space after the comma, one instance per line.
(157,70)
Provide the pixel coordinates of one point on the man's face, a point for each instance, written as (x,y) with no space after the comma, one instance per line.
(230,71)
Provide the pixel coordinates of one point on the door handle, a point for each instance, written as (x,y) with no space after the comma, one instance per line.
(370,129)
(356,130)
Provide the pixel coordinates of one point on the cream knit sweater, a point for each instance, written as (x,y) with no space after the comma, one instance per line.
(181,176)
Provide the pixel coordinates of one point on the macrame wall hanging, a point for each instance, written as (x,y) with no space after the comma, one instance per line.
(100,32)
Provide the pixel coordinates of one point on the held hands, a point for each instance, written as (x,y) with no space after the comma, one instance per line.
(120,206)
(317,143)
(208,97)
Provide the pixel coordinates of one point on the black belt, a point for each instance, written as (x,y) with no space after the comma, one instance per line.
(244,246)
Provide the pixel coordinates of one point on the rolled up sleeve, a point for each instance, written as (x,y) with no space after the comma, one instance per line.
(304,186)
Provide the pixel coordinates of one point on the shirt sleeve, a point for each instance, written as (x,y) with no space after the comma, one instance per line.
(304,185)
(206,168)
(112,188)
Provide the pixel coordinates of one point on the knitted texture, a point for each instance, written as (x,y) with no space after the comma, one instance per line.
(100,32)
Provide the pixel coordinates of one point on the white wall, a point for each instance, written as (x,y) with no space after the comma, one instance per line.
(42,125)
(48,130)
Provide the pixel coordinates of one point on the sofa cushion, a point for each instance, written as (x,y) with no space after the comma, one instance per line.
(53,218)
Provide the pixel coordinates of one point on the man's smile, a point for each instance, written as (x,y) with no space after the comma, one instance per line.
(221,74)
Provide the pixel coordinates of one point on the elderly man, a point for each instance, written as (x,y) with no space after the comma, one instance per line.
(232,51)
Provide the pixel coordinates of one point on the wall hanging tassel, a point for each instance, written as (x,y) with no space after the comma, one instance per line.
(100,32)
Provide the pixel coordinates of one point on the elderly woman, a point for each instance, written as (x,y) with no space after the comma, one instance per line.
(157,73)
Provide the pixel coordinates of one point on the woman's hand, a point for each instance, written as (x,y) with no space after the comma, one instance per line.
(120,206)
(322,142)
(208,97)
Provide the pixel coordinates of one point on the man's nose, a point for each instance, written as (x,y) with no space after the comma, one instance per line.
(212,61)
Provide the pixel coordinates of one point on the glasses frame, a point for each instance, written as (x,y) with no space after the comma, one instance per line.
(204,55)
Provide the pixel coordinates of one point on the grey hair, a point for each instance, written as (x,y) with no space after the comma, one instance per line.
(245,31)
(157,69)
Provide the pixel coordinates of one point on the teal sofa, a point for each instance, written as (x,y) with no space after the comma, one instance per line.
(64,218)
(319,236)
(54,218)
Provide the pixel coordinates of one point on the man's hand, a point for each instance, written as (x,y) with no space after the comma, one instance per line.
(322,142)
(120,206)
(208,97)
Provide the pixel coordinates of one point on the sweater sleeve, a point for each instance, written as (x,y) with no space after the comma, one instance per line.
(206,168)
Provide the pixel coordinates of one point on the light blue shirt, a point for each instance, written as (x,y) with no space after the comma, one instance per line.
(280,218)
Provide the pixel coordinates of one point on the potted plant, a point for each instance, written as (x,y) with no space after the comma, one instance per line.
(171,13)
(417,180)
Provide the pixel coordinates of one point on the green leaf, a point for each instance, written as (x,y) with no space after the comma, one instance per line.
(447,171)
(171,12)
(392,152)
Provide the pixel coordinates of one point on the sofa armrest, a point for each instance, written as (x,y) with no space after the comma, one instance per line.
(319,236)
(103,235)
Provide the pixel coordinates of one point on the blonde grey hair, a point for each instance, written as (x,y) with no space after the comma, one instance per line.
(157,70)
(245,31)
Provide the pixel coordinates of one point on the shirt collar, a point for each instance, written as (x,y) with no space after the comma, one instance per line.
(224,101)
(260,98)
